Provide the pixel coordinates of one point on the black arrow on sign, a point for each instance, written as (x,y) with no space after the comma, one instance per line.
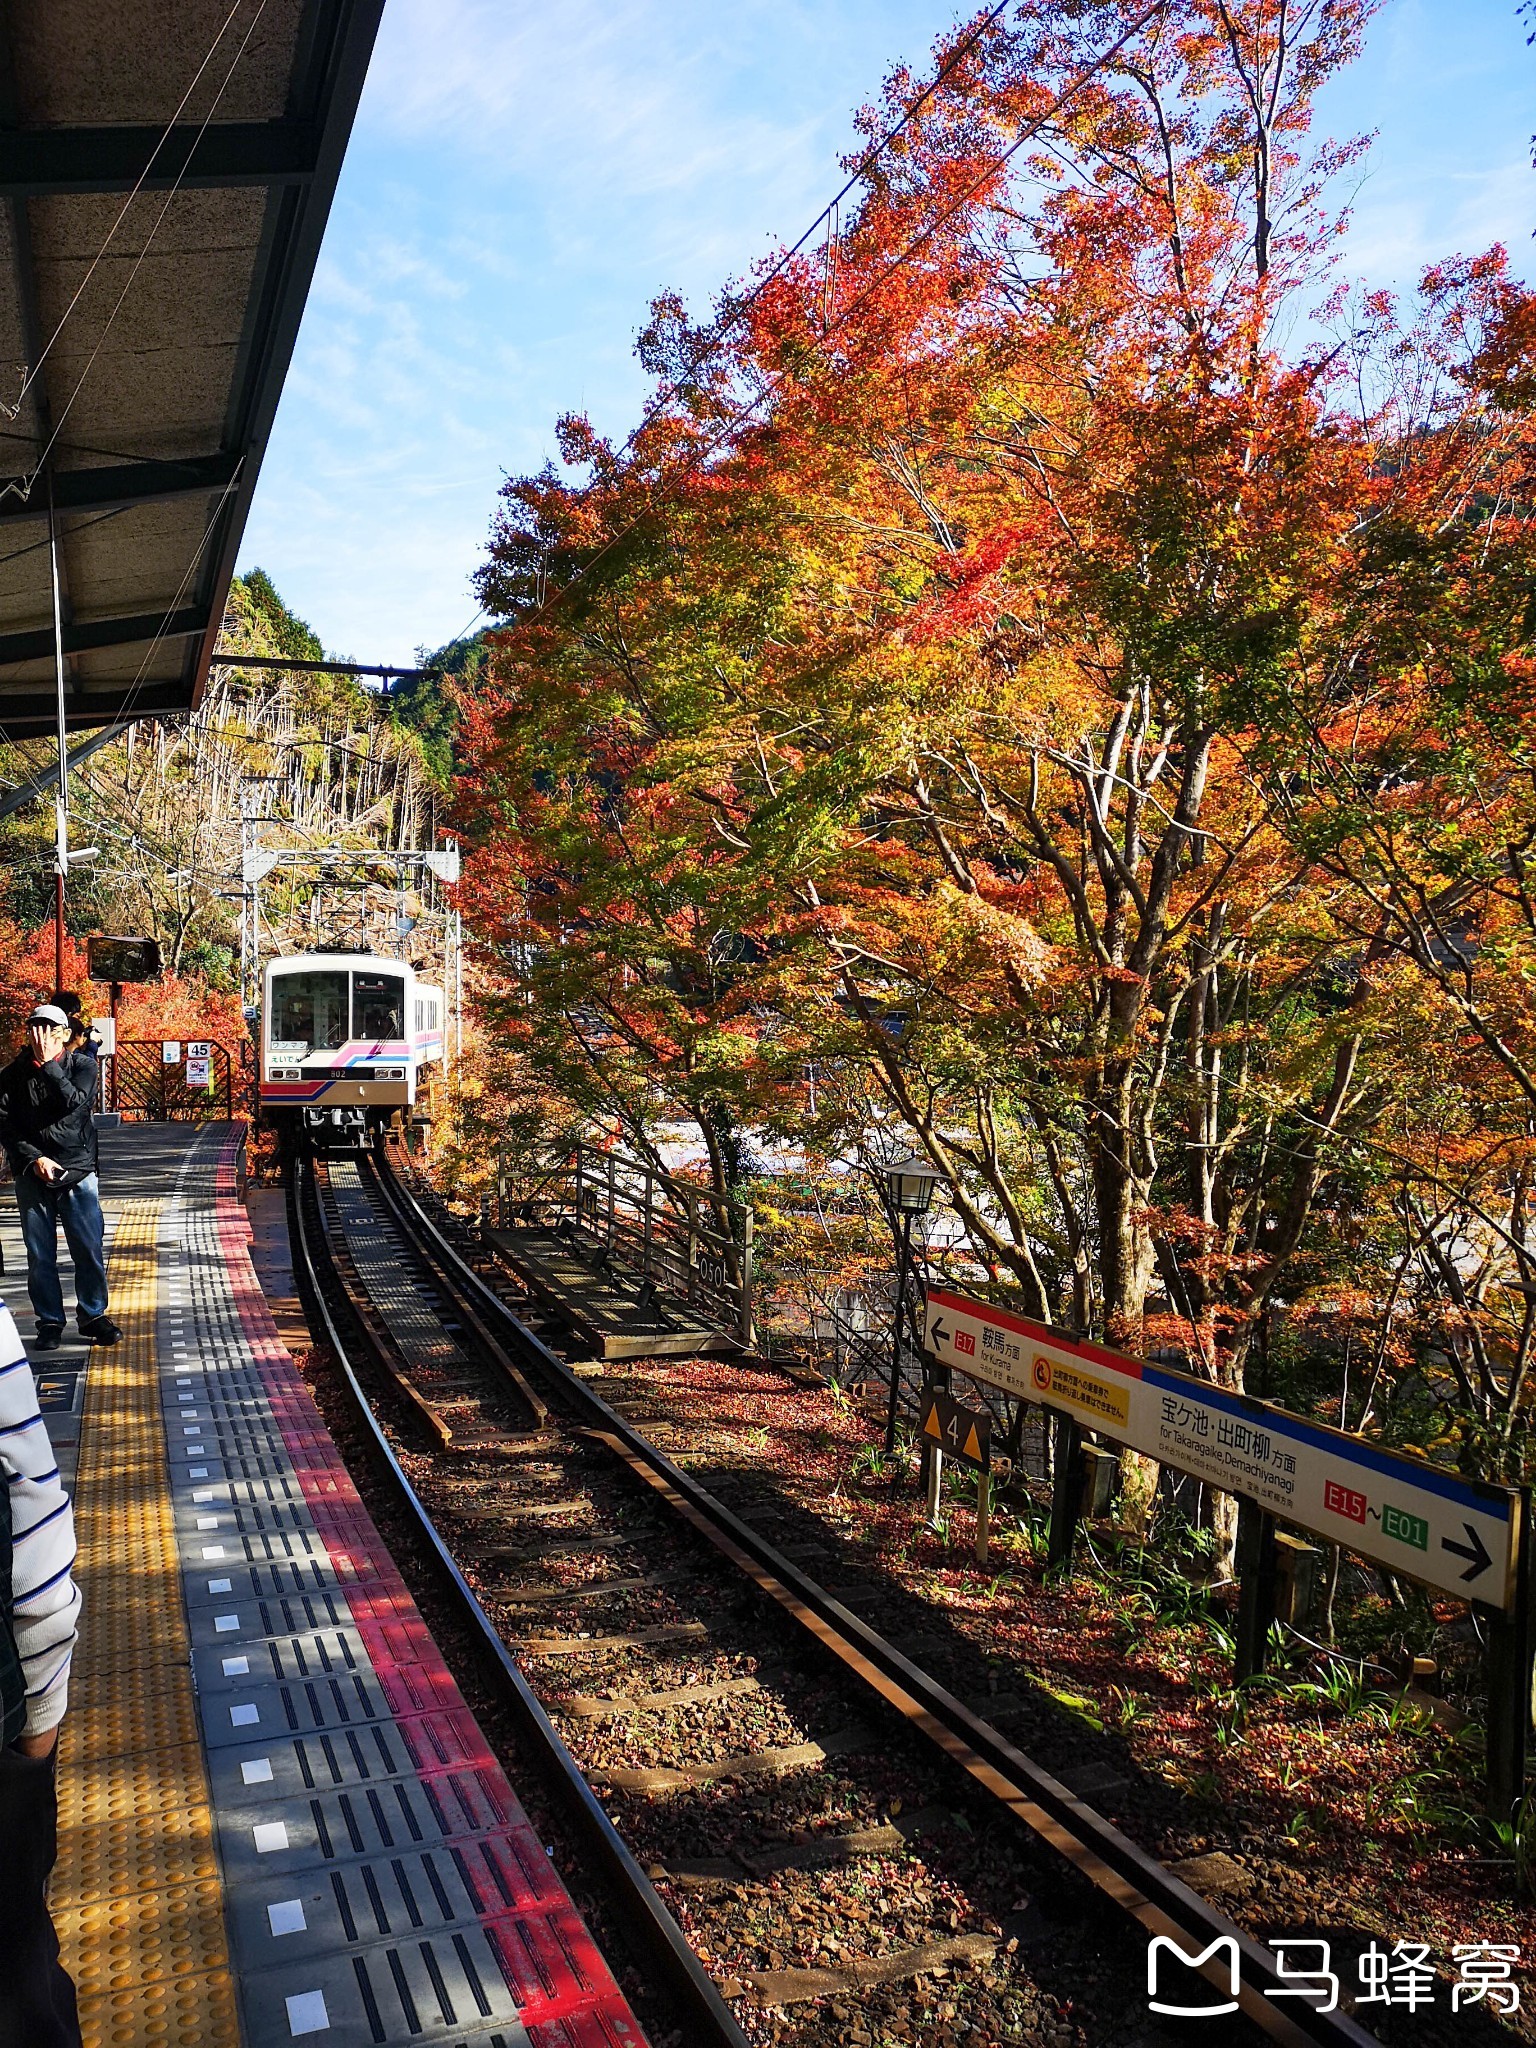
(938,1333)
(1478,1557)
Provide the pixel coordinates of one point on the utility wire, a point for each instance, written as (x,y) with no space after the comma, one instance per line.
(124,713)
(828,214)
(82,525)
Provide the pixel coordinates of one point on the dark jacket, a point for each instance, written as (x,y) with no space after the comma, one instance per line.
(47,1112)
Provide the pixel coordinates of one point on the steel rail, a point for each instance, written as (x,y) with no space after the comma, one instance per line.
(1119,1868)
(658,1937)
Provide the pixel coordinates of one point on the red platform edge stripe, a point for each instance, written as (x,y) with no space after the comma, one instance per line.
(565,1989)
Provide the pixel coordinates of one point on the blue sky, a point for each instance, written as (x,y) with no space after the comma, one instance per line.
(522,180)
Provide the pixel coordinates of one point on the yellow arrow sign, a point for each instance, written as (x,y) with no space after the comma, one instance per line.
(931,1426)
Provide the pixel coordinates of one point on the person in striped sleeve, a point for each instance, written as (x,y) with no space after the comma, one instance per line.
(39,1607)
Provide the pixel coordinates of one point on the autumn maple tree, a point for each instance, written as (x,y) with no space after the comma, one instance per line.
(942,690)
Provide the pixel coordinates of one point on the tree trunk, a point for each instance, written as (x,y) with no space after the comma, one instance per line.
(1222,1510)
(1138,1493)
(1125,1271)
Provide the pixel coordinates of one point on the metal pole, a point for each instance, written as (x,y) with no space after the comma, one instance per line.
(1255,1589)
(61,794)
(247,913)
(1509,1683)
(1067,1491)
(903,1263)
(983,1514)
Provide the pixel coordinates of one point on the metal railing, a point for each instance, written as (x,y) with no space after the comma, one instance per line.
(141,1084)
(680,1239)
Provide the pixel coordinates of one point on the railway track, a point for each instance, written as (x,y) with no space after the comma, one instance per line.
(809,1838)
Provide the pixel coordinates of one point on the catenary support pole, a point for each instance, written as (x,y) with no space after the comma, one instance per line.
(458,985)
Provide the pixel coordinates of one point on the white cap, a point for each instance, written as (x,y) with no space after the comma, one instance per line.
(48,1013)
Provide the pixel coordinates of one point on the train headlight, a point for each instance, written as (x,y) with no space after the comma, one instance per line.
(283,1074)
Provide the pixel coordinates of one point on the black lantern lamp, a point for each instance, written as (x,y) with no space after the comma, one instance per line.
(910,1183)
(909,1186)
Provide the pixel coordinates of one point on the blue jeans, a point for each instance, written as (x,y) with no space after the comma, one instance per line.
(43,1209)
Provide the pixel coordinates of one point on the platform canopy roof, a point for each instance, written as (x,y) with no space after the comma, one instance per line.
(166,169)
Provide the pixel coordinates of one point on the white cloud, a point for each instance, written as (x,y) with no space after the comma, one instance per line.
(521,183)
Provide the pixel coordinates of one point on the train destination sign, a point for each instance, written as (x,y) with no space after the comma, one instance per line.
(1452,1533)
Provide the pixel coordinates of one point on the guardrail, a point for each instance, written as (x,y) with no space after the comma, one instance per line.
(681,1238)
(141,1084)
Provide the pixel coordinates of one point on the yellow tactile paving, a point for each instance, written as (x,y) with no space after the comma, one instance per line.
(177,2012)
(103,1723)
(162,1937)
(124,1783)
(136,1896)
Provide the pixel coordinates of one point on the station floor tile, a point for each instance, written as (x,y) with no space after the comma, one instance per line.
(136,1891)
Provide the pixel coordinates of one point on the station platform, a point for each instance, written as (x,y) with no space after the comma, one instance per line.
(279,1820)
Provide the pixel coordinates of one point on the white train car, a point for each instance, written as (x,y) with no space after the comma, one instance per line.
(344,1041)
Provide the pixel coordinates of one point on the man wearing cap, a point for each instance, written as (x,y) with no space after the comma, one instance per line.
(49,1135)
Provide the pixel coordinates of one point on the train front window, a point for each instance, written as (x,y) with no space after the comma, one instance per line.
(378,1006)
(309,1012)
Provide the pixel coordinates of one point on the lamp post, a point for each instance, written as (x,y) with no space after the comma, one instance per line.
(909,1185)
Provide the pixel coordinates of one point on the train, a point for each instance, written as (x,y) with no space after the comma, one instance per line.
(345,1041)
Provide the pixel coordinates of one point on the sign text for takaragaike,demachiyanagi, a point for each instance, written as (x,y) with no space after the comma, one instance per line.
(1404,1512)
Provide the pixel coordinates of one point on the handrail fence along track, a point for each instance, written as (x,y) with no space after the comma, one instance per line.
(678,1237)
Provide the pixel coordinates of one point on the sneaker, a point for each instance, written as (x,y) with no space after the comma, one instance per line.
(100,1330)
(49,1337)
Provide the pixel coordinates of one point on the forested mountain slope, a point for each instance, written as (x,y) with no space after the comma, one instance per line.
(283,758)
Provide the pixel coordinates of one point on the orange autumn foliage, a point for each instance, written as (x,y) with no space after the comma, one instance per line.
(1022,687)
